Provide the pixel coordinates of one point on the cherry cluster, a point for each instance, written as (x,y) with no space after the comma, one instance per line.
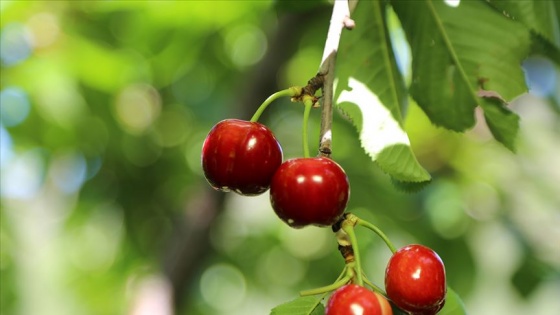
(414,278)
(245,157)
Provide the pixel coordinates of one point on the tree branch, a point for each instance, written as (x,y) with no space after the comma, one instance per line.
(340,19)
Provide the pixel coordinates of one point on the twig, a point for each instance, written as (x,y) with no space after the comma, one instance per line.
(340,19)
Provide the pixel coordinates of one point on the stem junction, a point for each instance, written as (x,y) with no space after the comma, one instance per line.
(292,91)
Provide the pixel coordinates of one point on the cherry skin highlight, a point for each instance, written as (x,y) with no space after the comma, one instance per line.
(309,191)
(241,156)
(415,280)
(353,299)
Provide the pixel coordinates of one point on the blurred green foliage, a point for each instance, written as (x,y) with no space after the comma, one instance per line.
(105,105)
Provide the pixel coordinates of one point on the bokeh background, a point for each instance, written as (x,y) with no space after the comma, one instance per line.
(105,210)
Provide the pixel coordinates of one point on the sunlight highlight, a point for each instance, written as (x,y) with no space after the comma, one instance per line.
(44,29)
(223,287)
(452,3)
(136,108)
(317,178)
(23,176)
(251,143)
(245,45)
(15,44)
(15,106)
(417,273)
(379,128)
(357,309)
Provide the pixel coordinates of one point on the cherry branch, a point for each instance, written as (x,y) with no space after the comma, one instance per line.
(340,19)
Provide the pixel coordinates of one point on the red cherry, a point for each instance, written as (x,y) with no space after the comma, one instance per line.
(415,280)
(241,156)
(353,299)
(309,191)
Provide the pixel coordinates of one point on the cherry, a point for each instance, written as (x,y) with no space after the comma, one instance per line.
(241,156)
(353,299)
(415,280)
(309,191)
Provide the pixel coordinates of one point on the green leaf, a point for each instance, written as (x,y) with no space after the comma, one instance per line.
(456,52)
(453,304)
(409,187)
(541,17)
(371,92)
(307,305)
(503,123)
(543,47)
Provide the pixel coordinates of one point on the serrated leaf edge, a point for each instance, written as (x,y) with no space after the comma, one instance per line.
(377,121)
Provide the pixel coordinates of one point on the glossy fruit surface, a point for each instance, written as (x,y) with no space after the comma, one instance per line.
(415,280)
(309,191)
(353,299)
(241,156)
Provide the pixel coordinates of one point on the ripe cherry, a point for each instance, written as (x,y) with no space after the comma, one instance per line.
(415,280)
(309,191)
(353,299)
(241,156)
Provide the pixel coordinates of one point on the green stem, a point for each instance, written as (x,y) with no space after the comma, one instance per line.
(292,91)
(373,286)
(349,229)
(378,232)
(337,284)
(308,104)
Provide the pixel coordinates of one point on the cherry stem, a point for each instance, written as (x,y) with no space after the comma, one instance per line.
(308,102)
(292,91)
(373,286)
(348,227)
(377,231)
(343,279)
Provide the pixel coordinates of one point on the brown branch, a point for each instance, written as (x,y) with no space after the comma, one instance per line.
(340,19)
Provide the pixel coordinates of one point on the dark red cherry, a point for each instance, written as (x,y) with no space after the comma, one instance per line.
(415,280)
(241,156)
(309,191)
